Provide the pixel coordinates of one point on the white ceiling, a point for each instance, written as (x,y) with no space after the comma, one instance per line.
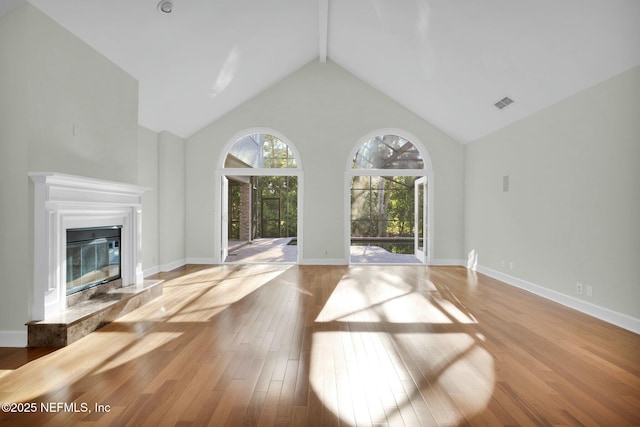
(448,61)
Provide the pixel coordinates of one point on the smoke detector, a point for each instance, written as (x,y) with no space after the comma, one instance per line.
(165,6)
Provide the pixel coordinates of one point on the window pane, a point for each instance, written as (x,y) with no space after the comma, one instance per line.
(388,152)
(260,151)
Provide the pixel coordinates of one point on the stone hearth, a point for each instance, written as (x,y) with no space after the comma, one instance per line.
(87,316)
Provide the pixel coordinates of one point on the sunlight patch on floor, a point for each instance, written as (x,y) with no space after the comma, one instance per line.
(44,377)
(400,345)
(360,385)
(393,300)
(209,290)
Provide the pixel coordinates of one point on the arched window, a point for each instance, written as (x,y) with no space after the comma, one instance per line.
(388,152)
(260,151)
(260,192)
(388,205)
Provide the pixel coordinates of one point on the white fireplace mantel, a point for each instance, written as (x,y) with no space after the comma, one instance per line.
(65,201)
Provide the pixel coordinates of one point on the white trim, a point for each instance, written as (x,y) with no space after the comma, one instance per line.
(13,338)
(619,319)
(422,254)
(151,271)
(62,202)
(448,262)
(72,188)
(387,172)
(245,262)
(240,172)
(201,261)
(173,265)
(325,261)
(224,216)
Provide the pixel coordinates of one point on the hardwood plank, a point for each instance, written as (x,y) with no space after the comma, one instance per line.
(334,345)
(285,402)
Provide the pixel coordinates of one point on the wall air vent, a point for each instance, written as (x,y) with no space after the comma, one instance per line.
(503,102)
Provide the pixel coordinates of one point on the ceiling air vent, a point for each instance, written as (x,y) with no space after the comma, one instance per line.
(503,102)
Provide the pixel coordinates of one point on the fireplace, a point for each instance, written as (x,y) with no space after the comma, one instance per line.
(82,226)
(93,257)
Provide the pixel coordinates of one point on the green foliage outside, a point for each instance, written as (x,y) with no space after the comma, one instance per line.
(234,211)
(277,200)
(382,206)
(276,154)
(274,210)
(277,196)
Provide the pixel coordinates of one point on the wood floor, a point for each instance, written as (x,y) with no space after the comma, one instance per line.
(326,346)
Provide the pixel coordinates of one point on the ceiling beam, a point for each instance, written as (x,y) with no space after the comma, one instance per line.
(323,29)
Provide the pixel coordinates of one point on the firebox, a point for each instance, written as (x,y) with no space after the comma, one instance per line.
(93,257)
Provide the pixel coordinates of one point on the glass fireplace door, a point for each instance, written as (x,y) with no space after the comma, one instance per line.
(93,257)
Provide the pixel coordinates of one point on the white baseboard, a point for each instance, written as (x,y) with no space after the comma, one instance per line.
(173,265)
(201,261)
(324,261)
(308,261)
(327,261)
(13,338)
(151,271)
(455,262)
(342,261)
(619,319)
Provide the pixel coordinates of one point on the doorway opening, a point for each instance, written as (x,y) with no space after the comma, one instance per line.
(388,202)
(263,219)
(260,199)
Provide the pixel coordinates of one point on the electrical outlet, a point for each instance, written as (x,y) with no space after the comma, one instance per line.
(589,291)
(579,288)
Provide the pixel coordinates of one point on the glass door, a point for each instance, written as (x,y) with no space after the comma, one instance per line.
(224,229)
(420,208)
(270,217)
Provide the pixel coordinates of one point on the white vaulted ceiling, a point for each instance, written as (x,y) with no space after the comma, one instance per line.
(448,61)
